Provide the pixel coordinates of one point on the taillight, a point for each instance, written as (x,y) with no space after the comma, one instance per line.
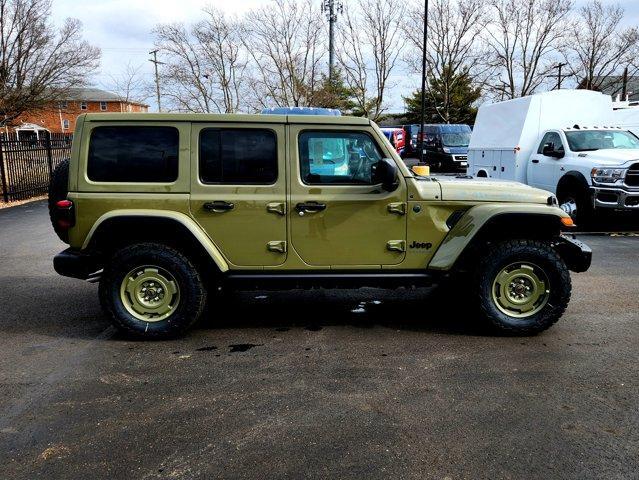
(65,215)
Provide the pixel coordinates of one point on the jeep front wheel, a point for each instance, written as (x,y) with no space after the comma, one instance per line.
(152,291)
(522,286)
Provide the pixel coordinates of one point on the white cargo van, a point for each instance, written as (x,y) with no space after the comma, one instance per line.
(627,118)
(562,141)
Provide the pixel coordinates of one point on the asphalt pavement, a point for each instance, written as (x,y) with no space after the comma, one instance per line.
(362,384)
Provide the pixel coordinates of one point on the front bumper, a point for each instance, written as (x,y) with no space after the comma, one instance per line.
(577,255)
(615,198)
(75,264)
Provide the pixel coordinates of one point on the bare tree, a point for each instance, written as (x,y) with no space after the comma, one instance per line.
(371,44)
(203,64)
(130,85)
(286,47)
(600,49)
(454,52)
(39,63)
(525,37)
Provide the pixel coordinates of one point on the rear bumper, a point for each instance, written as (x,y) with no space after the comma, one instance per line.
(576,254)
(75,264)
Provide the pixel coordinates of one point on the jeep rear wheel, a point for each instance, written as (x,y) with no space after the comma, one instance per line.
(152,291)
(523,287)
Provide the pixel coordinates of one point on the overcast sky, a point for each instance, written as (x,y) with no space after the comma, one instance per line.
(122,29)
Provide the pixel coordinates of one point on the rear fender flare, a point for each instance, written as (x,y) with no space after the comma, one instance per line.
(186,221)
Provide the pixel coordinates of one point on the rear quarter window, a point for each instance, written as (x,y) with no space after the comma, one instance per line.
(144,154)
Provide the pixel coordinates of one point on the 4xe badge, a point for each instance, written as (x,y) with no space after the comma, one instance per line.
(424,245)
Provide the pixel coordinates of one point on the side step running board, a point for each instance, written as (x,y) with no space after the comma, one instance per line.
(278,281)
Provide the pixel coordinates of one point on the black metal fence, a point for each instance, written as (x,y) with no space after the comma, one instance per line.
(26,163)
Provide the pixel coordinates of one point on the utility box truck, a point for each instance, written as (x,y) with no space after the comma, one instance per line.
(564,141)
(627,118)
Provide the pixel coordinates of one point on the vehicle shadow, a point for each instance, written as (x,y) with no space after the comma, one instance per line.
(400,309)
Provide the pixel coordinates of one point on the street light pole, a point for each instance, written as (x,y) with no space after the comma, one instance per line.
(423,112)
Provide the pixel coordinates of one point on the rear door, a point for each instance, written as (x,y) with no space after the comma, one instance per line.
(238,190)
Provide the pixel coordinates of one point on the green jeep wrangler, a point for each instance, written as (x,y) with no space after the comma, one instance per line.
(167,210)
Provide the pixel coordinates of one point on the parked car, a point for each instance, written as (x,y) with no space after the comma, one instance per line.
(169,211)
(396,136)
(564,142)
(446,147)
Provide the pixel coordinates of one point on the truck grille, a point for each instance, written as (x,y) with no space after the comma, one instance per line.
(632,176)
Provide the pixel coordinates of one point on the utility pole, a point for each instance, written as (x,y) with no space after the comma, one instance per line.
(423,113)
(624,85)
(332,8)
(559,66)
(155,62)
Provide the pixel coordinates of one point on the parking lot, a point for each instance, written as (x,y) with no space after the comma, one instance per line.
(318,384)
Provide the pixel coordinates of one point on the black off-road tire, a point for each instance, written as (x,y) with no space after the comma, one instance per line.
(58,190)
(539,253)
(189,281)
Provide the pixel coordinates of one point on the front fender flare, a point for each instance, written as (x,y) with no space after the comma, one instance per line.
(474,219)
(182,218)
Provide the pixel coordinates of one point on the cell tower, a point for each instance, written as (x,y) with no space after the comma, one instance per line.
(331,8)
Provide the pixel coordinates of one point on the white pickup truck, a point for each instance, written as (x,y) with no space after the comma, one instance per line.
(562,141)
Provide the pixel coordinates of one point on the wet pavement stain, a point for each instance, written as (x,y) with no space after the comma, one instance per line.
(243,347)
(206,349)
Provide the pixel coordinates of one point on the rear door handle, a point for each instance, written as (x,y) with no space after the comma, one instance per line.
(309,207)
(535,161)
(218,206)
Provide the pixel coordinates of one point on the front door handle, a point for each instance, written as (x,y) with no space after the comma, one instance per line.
(535,160)
(309,207)
(218,206)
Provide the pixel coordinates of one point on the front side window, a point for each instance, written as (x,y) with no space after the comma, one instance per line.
(238,156)
(589,140)
(133,154)
(551,138)
(344,158)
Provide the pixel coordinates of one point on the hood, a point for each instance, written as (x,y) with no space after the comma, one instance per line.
(611,157)
(488,190)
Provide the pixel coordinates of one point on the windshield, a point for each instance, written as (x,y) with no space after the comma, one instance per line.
(460,139)
(588,140)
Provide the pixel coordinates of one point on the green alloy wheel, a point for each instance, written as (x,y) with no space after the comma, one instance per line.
(521,289)
(150,293)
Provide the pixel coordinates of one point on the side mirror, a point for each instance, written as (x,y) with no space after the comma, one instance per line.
(385,172)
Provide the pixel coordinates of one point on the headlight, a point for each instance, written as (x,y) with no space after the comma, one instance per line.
(608,175)
(446,150)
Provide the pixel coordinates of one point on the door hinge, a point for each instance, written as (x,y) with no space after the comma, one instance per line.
(396,245)
(278,246)
(276,207)
(399,208)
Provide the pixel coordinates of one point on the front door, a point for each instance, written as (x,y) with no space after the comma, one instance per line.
(238,190)
(338,216)
(543,169)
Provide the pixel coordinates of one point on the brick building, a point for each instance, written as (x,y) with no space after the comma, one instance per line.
(61,116)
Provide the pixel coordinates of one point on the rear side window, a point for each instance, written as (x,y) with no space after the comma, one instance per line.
(238,156)
(133,154)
